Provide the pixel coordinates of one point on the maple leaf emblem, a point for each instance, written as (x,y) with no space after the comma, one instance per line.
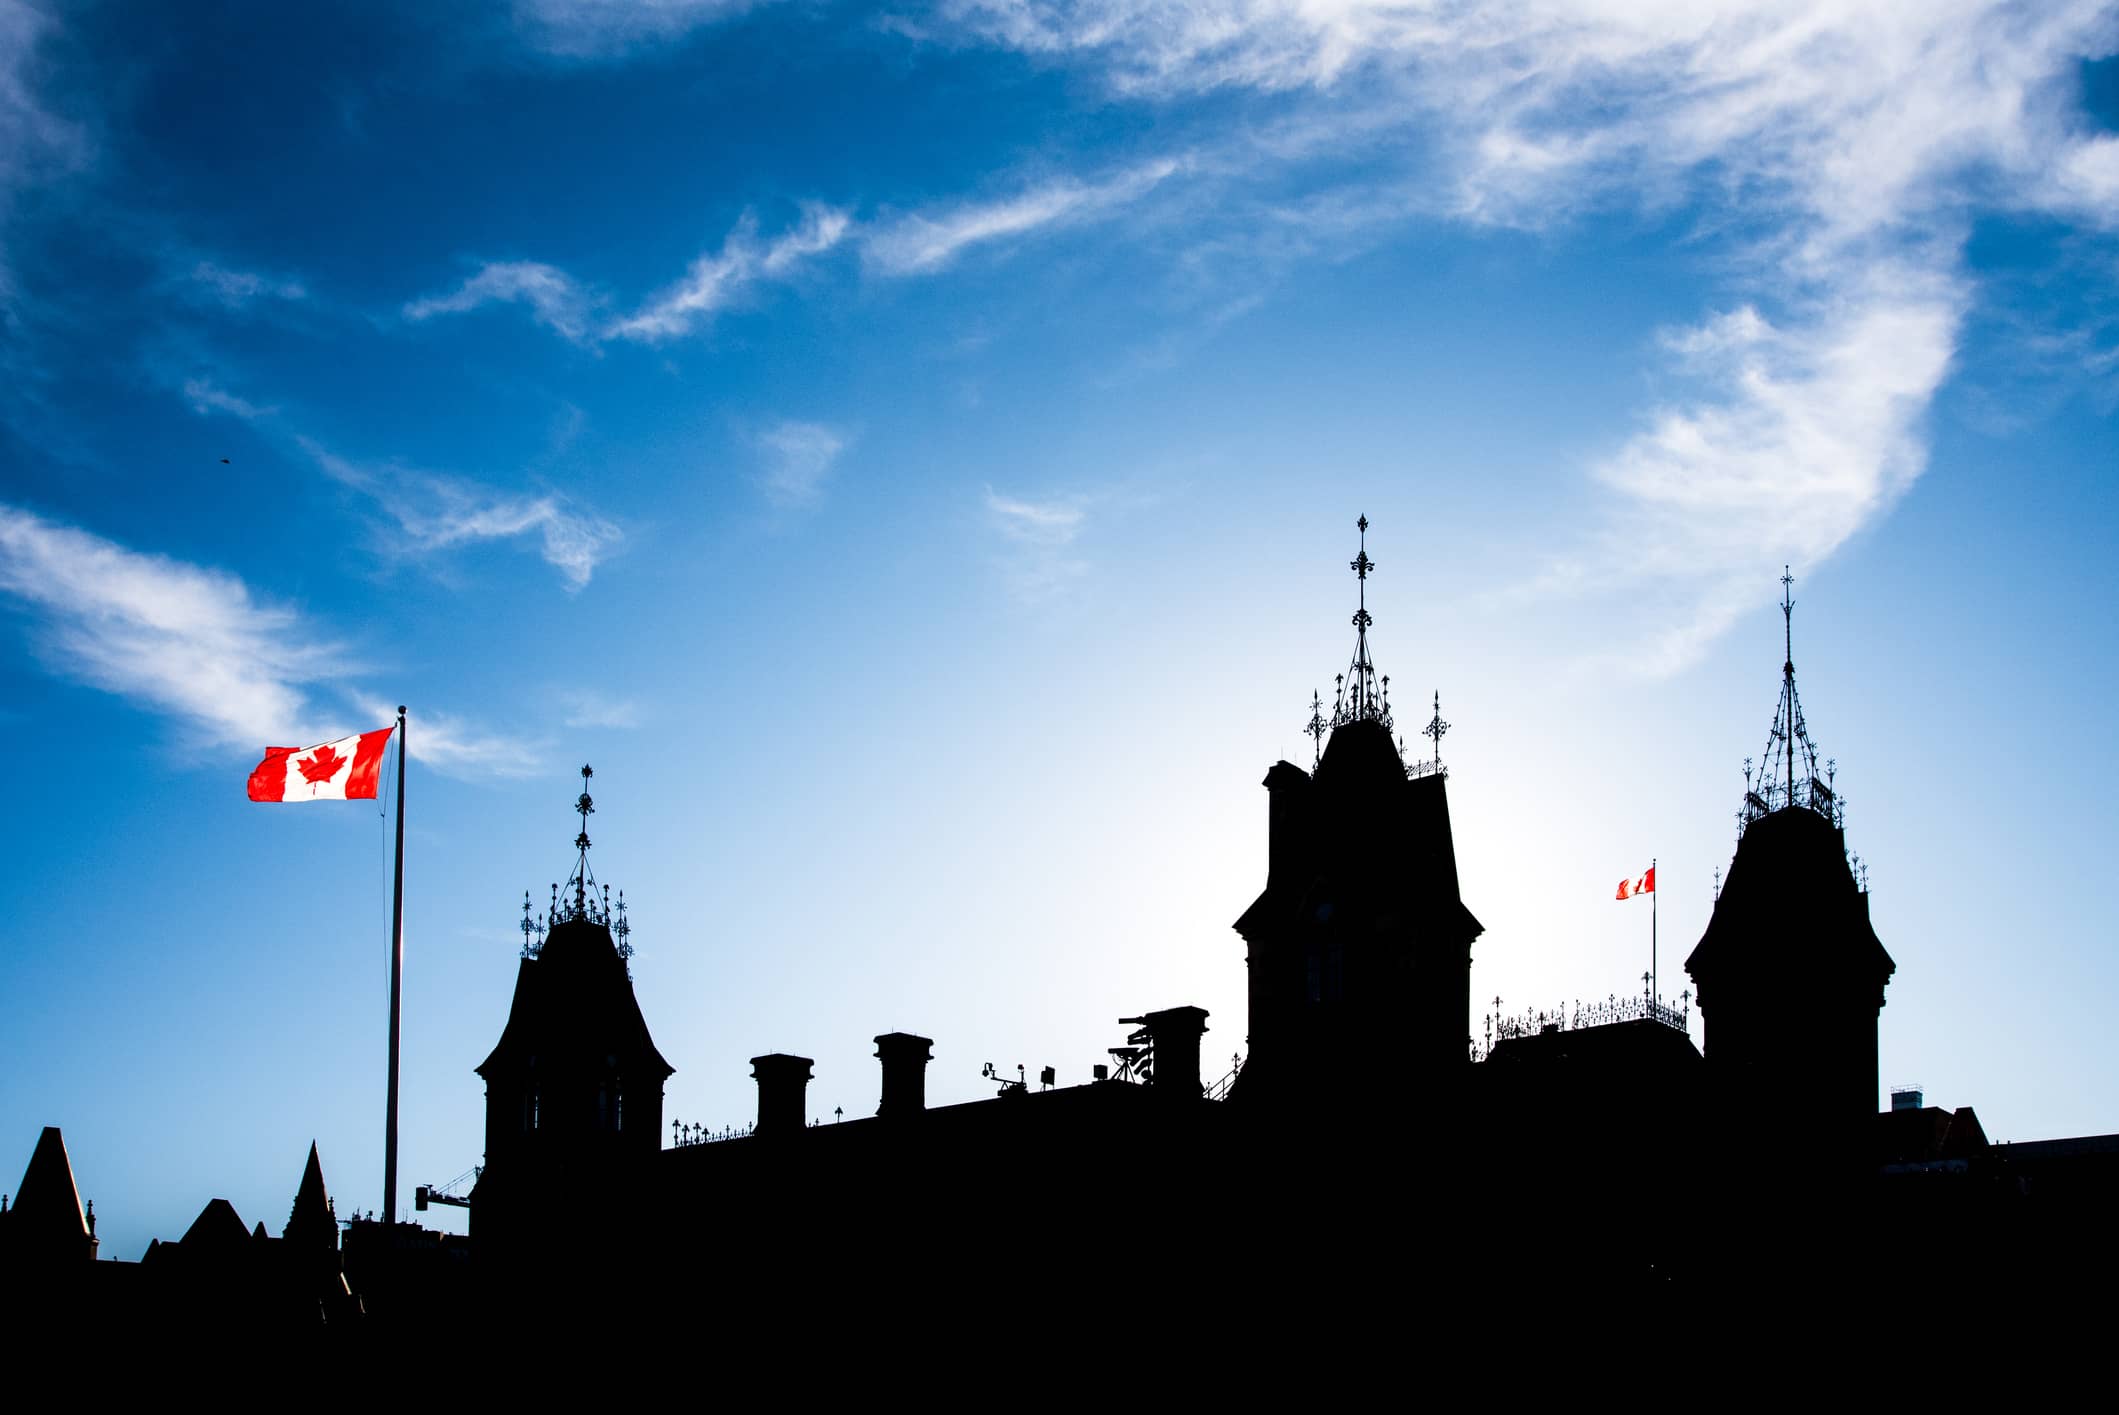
(321,767)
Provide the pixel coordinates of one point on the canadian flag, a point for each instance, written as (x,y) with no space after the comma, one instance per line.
(345,770)
(1628,888)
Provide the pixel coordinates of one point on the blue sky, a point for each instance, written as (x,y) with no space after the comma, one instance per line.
(913,453)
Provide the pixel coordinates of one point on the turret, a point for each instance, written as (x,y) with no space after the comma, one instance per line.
(1790,973)
(1359,946)
(574,1086)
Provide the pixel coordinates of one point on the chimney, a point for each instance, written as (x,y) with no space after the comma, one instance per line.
(904,1057)
(1176,1032)
(783,1085)
(1287,820)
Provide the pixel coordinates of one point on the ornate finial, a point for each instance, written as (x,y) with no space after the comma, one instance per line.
(583,899)
(1789,774)
(623,929)
(1359,697)
(528,928)
(1435,728)
(1315,729)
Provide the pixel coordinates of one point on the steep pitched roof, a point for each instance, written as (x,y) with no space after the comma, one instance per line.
(1790,875)
(312,1220)
(574,1001)
(217,1226)
(47,1213)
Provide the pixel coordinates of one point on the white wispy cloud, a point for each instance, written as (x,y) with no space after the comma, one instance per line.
(601,29)
(205,397)
(238,288)
(179,638)
(1040,562)
(920,242)
(36,143)
(1801,436)
(456,746)
(435,512)
(718,278)
(1833,153)
(799,459)
(195,643)
(555,299)
(587,708)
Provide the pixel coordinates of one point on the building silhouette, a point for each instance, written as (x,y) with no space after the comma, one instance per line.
(1365,1131)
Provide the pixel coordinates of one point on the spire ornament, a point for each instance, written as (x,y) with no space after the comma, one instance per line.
(1315,729)
(1359,698)
(1787,773)
(581,898)
(1435,728)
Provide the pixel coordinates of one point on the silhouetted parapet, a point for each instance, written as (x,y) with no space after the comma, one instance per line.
(783,1088)
(904,1057)
(1175,1032)
(46,1224)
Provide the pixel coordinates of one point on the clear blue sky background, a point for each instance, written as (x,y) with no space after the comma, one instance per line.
(912,451)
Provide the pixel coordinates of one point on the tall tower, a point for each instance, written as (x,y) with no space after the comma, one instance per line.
(1790,975)
(574,1087)
(1359,946)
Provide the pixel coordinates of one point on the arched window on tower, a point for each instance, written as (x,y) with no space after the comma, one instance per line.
(618,1106)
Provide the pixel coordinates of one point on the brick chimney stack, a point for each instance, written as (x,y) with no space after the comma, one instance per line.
(904,1057)
(783,1089)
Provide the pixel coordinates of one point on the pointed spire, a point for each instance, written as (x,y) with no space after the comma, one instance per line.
(580,897)
(1359,698)
(46,1219)
(586,806)
(1787,774)
(312,1222)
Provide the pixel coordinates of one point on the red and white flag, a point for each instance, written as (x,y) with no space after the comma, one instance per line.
(1628,888)
(345,770)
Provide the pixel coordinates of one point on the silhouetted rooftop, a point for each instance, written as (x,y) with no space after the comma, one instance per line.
(574,996)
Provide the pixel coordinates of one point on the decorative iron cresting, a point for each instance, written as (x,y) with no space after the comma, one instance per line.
(1531,1022)
(683,1136)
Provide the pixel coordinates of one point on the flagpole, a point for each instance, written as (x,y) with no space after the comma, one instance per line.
(1655,909)
(397,964)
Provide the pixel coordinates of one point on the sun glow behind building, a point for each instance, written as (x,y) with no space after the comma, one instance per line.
(930,517)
